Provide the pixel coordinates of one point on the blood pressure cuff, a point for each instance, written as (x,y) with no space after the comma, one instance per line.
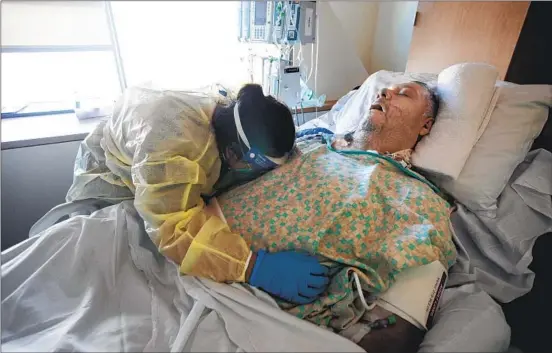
(416,294)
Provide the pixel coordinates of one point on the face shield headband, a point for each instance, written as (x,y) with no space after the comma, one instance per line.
(254,156)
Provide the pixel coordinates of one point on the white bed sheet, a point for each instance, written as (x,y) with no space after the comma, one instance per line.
(96,283)
(92,284)
(496,252)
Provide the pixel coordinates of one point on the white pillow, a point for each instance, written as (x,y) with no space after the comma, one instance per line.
(466,91)
(517,119)
(467,88)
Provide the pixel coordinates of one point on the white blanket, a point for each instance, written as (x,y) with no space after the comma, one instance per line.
(91,284)
(96,283)
(496,252)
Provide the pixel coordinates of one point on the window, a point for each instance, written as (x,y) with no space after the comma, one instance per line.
(32,82)
(177,44)
(183,44)
(55,53)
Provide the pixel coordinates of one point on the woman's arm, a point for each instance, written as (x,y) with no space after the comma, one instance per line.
(168,197)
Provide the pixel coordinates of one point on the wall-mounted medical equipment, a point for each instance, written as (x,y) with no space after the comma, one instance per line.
(277,22)
(281,80)
(307,23)
(288,25)
(255,21)
(289,88)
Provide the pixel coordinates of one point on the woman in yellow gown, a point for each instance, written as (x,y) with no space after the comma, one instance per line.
(167,149)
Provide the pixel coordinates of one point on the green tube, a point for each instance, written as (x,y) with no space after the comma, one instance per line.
(388,159)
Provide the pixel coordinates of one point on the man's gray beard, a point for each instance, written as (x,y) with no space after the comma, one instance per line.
(367,126)
(367,131)
(360,139)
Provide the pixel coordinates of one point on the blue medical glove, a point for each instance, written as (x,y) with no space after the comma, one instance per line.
(296,277)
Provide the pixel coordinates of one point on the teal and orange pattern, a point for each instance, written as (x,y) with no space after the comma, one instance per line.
(357,212)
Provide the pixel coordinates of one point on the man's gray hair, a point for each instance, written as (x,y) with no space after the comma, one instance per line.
(433,96)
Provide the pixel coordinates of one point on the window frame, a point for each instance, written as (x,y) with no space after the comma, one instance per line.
(113,47)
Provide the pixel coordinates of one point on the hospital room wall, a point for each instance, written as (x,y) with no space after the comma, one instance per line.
(393,34)
(34,179)
(357,39)
(339,67)
(358,24)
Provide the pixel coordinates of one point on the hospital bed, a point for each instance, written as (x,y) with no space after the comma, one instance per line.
(113,292)
(520,296)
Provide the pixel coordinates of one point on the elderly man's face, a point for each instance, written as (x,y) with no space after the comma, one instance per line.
(399,114)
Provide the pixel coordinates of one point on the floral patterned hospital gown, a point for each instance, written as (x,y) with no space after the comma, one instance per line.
(356,212)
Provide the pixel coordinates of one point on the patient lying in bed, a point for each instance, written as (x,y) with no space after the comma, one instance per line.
(363,214)
(366,214)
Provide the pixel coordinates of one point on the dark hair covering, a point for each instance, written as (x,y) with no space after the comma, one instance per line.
(268,123)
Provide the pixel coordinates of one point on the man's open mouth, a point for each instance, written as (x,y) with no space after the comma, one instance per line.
(377,107)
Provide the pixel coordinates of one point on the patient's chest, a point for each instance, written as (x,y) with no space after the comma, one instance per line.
(351,209)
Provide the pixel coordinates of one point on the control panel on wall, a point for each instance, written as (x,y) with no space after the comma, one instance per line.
(277,22)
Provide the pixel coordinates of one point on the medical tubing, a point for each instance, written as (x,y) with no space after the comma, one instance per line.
(311,63)
(383,323)
(361,294)
(317,39)
(388,159)
(189,325)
